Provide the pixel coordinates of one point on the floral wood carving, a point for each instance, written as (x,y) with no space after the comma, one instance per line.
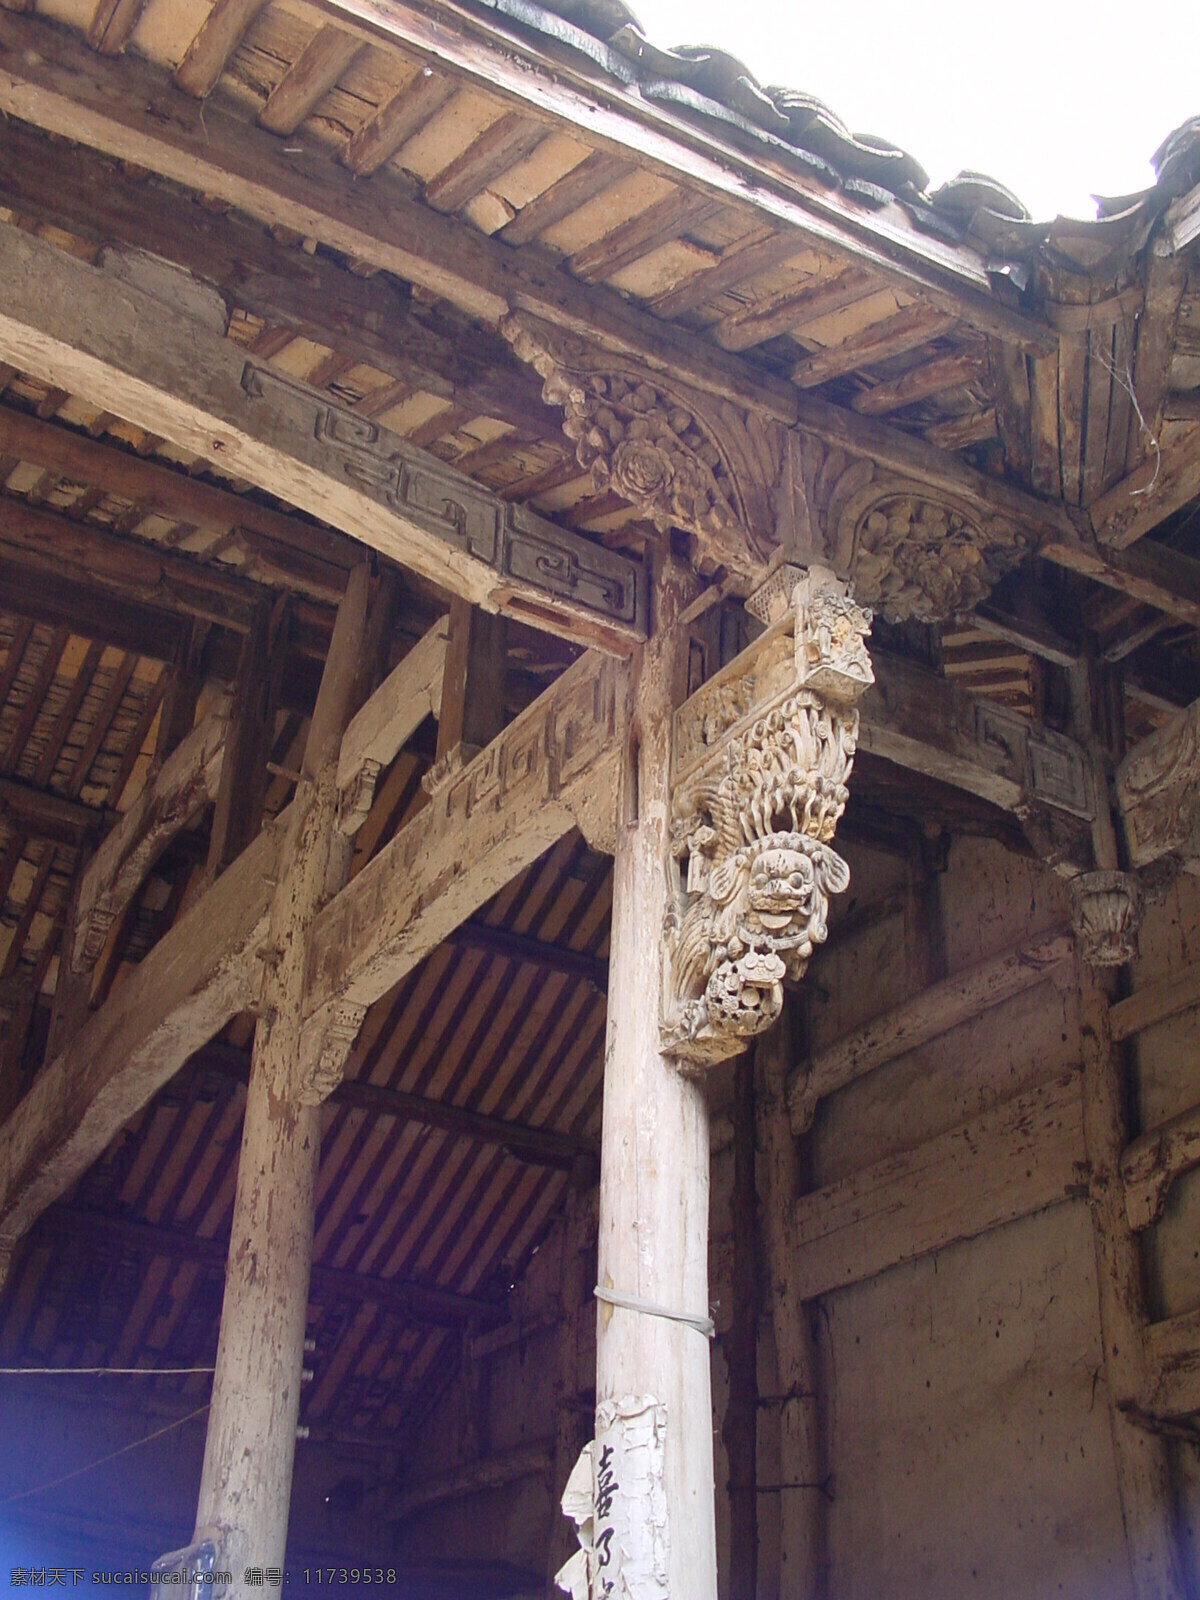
(762,756)
(681,458)
(911,549)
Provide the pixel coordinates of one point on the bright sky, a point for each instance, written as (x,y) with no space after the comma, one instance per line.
(1058,99)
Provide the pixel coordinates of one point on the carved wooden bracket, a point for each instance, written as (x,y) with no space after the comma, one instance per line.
(1106,914)
(682,458)
(762,754)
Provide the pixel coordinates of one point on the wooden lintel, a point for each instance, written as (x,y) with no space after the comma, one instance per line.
(197,977)
(1018,1158)
(110,342)
(180,789)
(926,1016)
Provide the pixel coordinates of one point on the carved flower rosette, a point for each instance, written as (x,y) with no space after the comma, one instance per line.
(766,750)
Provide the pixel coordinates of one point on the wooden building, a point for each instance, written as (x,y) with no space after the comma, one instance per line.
(451,455)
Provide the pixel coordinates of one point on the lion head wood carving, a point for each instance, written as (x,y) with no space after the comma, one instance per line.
(762,756)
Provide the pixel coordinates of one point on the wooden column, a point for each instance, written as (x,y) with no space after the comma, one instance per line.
(654,1165)
(739,1430)
(570,1427)
(245,1486)
(1143,1467)
(803,1560)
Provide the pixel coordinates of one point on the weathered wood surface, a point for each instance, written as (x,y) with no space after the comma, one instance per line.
(803,1515)
(114,344)
(1155,1002)
(185,783)
(1158,791)
(197,977)
(1163,483)
(552,767)
(491,1472)
(1022,1156)
(246,1480)
(380,728)
(1143,1473)
(654,1158)
(921,722)
(1151,1164)
(935,1011)
(1172,1383)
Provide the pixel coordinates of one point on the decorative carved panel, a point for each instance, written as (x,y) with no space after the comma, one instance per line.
(682,458)
(1158,790)
(910,548)
(762,755)
(519,545)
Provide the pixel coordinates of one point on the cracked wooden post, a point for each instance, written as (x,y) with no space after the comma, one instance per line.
(245,1487)
(722,879)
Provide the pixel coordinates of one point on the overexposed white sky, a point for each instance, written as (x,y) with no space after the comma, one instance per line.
(1058,99)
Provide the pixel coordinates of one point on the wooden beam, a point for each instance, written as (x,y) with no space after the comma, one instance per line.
(383,726)
(48,815)
(927,725)
(1018,1158)
(181,994)
(490,1472)
(309,79)
(1151,1164)
(556,764)
(513,946)
(1166,480)
(1172,1387)
(116,345)
(421,1302)
(168,803)
(1155,1002)
(46,541)
(219,36)
(920,383)
(371,319)
(935,1011)
(544,1147)
(30,588)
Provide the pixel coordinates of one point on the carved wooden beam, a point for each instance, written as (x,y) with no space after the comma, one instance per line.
(553,768)
(121,347)
(185,783)
(1158,791)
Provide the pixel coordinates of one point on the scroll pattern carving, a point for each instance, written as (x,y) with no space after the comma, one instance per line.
(1106,914)
(912,550)
(325,1052)
(763,754)
(516,543)
(681,458)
